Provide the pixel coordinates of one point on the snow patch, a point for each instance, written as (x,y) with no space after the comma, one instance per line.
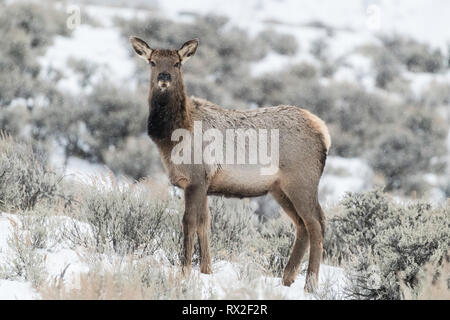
(344,175)
(101,46)
(17,290)
(65,263)
(226,280)
(105,15)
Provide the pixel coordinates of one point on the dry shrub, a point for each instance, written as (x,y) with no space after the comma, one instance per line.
(25,179)
(127,279)
(231,227)
(434,283)
(25,262)
(386,243)
(93,286)
(273,244)
(122,217)
(136,157)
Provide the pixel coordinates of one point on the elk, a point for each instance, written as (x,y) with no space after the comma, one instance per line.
(304,142)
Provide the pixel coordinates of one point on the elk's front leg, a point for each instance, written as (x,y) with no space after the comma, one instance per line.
(203,226)
(195,210)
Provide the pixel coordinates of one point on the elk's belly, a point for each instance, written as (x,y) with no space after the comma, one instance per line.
(241,182)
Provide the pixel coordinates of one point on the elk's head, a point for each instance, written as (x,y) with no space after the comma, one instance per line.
(165,65)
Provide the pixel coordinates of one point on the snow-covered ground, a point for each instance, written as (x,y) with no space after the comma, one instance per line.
(17,290)
(61,261)
(76,168)
(225,279)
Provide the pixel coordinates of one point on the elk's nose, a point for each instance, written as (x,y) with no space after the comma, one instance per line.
(164,76)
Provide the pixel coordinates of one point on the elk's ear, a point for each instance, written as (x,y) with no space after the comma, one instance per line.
(142,49)
(187,50)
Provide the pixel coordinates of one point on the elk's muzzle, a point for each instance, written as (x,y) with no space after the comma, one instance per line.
(164,80)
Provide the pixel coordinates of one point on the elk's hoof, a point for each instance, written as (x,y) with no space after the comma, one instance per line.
(206,270)
(287,281)
(186,271)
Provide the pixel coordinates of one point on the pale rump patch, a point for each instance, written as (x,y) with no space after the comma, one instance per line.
(320,126)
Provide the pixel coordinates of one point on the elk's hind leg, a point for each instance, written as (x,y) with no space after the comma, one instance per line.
(301,241)
(316,230)
(306,204)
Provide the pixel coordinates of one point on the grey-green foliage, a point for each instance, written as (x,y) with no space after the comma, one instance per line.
(136,157)
(385,64)
(124,219)
(364,215)
(447,189)
(90,125)
(320,48)
(400,254)
(417,57)
(236,232)
(84,68)
(38,226)
(386,242)
(273,245)
(298,86)
(63,121)
(285,44)
(358,118)
(410,148)
(231,226)
(25,179)
(387,68)
(26,29)
(435,95)
(13,119)
(27,260)
(113,114)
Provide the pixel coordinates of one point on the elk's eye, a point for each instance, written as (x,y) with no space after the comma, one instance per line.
(176,65)
(153,64)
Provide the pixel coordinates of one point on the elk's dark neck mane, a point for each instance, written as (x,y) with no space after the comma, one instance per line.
(168,111)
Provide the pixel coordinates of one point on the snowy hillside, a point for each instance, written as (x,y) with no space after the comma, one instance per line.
(343,81)
(412,17)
